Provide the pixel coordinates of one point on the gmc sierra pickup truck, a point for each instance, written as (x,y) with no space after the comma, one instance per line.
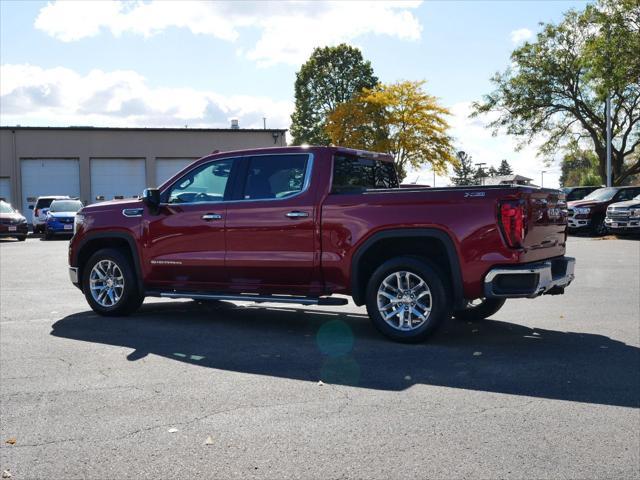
(298,224)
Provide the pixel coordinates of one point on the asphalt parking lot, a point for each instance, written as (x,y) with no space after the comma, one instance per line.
(548,388)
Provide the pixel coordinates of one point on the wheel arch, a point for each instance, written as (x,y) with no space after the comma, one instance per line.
(431,243)
(119,240)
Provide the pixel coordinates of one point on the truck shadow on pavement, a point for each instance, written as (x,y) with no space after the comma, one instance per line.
(340,348)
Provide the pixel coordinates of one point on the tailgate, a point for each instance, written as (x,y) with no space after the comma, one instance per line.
(546,223)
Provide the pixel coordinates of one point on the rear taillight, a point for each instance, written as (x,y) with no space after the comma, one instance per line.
(513,222)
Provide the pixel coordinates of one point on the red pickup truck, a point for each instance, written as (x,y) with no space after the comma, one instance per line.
(298,224)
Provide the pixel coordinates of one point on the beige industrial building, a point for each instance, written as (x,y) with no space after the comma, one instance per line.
(98,164)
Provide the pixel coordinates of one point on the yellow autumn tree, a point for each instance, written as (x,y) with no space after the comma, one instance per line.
(399,119)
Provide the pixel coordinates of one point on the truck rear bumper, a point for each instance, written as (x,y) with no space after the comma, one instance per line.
(530,280)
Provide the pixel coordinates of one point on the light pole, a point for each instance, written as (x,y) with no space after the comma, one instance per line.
(542,172)
(480,165)
(608,108)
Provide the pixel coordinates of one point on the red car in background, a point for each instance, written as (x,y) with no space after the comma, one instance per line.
(12,223)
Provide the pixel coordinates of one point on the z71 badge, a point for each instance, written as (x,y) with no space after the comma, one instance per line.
(473,194)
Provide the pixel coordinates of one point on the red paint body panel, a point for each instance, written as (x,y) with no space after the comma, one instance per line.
(257,248)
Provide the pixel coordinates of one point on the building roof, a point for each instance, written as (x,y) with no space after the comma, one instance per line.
(146,129)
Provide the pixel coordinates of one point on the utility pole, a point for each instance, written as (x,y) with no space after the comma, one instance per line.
(542,172)
(480,165)
(608,109)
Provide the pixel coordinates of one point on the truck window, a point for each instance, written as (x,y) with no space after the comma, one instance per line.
(357,174)
(275,176)
(205,184)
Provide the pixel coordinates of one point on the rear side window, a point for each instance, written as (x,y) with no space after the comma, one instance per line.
(357,174)
(44,203)
(275,176)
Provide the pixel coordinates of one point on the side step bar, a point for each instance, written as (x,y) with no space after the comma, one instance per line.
(326,301)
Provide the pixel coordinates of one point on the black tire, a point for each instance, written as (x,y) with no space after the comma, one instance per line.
(131,298)
(488,307)
(440,301)
(598,228)
(48,235)
(22,238)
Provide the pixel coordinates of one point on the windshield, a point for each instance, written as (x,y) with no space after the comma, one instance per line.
(66,206)
(602,194)
(6,208)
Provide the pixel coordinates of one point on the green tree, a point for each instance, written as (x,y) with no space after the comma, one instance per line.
(505,168)
(557,85)
(464,173)
(492,172)
(400,119)
(479,175)
(579,167)
(331,76)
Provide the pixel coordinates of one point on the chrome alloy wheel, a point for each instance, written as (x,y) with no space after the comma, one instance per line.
(404,301)
(106,283)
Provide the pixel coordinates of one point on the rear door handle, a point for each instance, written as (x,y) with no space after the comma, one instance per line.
(211,216)
(297,214)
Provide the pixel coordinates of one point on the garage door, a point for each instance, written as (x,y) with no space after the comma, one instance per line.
(117,177)
(5,189)
(48,176)
(168,167)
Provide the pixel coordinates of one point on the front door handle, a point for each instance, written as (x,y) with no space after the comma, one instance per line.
(297,214)
(211,216)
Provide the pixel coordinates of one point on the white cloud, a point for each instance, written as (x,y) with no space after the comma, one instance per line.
(30,95)
(520,35)
(472,136)
(288,31)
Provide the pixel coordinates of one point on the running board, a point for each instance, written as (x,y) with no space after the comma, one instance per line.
(323,301)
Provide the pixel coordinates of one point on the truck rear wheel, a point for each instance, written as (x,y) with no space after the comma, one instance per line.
(480,309)
(109,283)
(406,299)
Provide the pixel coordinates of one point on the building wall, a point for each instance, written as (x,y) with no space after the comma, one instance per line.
(86,143)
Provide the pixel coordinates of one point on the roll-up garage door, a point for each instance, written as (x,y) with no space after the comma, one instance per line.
(48,176)
(168,167)
(5,190)
(117,178)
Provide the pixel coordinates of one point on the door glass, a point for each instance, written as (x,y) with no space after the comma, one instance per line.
(275,176)
(356,174)
(205,184)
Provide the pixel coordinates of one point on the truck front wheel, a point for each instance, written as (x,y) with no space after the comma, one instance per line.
(479,309)
(406,299)
(109,283)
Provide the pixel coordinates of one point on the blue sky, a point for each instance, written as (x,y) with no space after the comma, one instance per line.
(166,64)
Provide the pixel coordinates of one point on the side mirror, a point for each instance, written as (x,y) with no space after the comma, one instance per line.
(151,198)
(30,207)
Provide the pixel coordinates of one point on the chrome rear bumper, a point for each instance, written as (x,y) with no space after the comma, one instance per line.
(530,280)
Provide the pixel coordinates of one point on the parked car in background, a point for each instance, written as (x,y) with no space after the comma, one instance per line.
(577,193)
(60,217)
(40,209)
(12,223)
(624,217)
(296,225)
(589,213)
